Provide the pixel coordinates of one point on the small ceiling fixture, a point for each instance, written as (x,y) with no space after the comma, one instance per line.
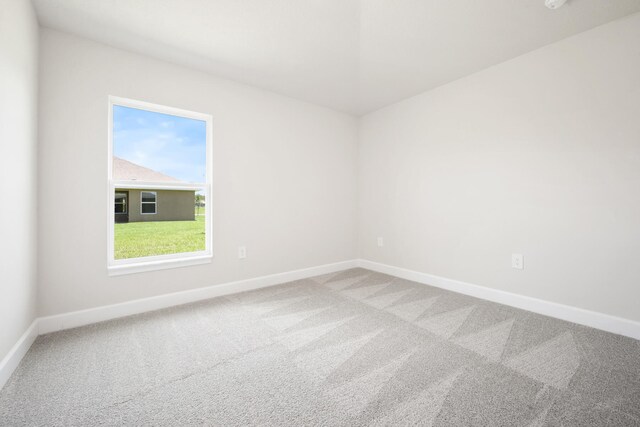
(554,4)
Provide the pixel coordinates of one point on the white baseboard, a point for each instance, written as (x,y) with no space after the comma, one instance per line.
(605,322)
(74,319)
(17,352)
(44,325)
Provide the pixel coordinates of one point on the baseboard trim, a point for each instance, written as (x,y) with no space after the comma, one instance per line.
(44,325)
(17,352)
(605,322)
(59,322)
(99,314)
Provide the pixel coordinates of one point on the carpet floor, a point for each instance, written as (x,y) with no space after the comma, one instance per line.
(346,349)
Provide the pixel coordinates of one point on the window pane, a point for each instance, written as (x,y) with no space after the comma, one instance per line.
(120,200)
(148,197)
(148,208)
(151,234)
(152,150)
(156,147)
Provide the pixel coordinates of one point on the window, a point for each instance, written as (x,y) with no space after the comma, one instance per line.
(159,158)
(148,202)
(120,203)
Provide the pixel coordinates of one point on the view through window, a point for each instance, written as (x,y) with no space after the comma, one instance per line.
(159,183)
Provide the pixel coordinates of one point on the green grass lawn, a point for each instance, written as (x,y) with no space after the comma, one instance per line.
(140,239)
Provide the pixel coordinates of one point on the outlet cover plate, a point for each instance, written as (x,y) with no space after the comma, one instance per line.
(517,261)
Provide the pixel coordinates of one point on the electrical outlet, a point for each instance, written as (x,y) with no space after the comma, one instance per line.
(517,261)
(380,242)
(242,252)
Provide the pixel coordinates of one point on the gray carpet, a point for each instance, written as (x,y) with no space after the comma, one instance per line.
(351,348)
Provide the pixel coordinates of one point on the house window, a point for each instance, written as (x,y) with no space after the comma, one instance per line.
(148,202)
(159,157)
(120,203)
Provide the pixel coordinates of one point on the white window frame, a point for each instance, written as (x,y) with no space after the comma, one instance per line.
(157,262)
(154,203)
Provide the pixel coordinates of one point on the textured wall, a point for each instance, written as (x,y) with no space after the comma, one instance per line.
(171,205)
(284,180)
(18,133)
(539,155)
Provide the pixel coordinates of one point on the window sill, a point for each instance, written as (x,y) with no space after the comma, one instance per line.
(141,267)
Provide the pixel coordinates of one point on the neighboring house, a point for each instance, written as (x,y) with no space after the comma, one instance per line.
(137,205)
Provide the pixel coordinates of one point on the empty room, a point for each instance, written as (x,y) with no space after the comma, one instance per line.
(320,212)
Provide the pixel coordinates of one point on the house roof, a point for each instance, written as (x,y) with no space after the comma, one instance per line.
(124,170)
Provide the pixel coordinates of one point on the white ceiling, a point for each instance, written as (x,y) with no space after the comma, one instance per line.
(350,55)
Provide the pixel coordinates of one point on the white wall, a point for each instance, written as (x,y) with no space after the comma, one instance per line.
(539,155)
(284,175)
(18,133)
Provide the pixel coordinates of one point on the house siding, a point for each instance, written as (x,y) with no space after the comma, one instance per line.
(172,205)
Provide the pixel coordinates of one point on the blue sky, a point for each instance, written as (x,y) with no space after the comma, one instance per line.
(175,146)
